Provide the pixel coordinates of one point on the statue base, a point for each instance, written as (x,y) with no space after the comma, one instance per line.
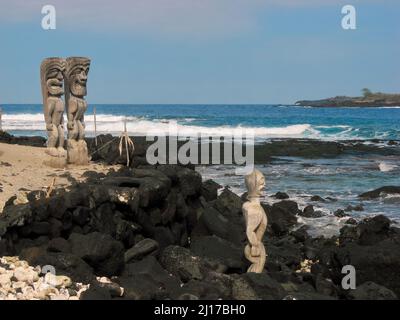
(77,152)
(56,158)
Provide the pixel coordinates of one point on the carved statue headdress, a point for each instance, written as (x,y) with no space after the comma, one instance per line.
(51,73)
(76,71)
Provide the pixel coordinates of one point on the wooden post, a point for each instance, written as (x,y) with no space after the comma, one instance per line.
(95,125)
(126,143)
(1,112)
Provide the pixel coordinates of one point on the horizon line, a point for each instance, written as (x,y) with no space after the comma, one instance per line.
(168,104)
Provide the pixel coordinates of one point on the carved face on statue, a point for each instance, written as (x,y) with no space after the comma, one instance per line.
(255,183)
(77,72)
(51,73)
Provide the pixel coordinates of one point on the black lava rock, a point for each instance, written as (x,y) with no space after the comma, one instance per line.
(210,190)
(100,251)
(374,194)
(220,250)
(309,212)
(281,195)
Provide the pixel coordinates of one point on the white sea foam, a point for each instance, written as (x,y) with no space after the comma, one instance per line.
(327,226)
(386,167)
(393,199)
(319,170)
(333,126)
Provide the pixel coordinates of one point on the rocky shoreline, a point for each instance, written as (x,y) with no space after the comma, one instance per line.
(160,232)
(107,149)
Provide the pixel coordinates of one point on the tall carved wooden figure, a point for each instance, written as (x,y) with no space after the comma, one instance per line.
(256,222)
(76,73)
(51,78)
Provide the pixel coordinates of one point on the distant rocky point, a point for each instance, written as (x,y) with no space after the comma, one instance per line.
(369,99)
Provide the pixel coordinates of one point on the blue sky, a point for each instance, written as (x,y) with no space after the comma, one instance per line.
(209,51)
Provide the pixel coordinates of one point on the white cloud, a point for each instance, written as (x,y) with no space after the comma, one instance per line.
(155,17)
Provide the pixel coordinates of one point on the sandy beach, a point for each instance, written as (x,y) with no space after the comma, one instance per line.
(22,169)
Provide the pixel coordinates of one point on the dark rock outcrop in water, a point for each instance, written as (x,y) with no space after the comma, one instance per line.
(281,195)
(107,148)
(263,152)
(368,100)
(379,192)
(311,148)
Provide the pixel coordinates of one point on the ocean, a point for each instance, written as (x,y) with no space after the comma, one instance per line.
(340,179)
(267,121)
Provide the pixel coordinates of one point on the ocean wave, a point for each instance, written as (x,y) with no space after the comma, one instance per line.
(326,226)
(143,126)
(187,127)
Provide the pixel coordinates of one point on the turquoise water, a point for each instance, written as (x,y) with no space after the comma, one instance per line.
(339,181)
